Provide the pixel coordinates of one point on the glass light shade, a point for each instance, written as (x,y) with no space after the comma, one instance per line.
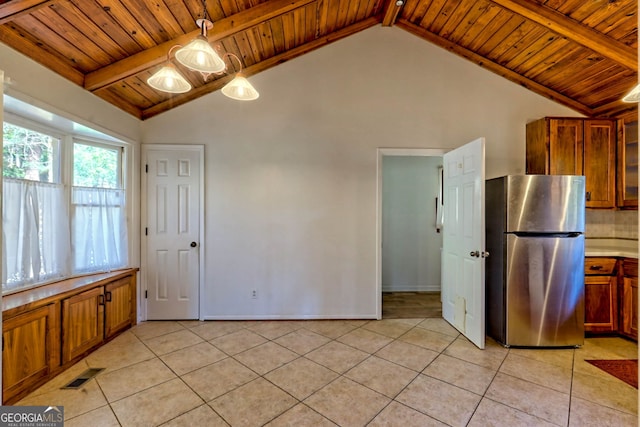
(168,79)
(239,88)
(200,56)
(633,96)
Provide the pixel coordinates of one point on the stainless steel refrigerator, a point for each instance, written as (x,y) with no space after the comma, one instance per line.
(535,271)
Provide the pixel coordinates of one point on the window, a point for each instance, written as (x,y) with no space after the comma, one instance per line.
(35,215)
(53,230)
(31,155)
(98,203)
(96,166)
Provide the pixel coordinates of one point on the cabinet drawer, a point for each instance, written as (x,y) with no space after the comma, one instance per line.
(599,266)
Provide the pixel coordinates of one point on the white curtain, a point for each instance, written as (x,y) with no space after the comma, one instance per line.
(35,233)
(99,229)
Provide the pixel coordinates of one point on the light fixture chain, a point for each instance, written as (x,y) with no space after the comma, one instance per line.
(205,15)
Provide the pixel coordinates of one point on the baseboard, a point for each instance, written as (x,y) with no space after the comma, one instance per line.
(294,317)
(428,288)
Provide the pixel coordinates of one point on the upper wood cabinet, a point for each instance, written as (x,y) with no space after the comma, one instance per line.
(627,185)
(574,146)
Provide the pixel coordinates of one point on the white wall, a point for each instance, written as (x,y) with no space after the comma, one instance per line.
(291,178)
(411,245)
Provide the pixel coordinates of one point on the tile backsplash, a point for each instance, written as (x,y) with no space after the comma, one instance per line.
(611,224)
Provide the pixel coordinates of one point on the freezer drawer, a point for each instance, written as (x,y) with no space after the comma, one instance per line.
(545,203)
(544,291)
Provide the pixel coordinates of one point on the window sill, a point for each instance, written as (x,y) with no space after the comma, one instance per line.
(29,299)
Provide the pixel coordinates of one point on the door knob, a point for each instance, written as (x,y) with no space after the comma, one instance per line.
(194,244)
(485,254)
(474,253)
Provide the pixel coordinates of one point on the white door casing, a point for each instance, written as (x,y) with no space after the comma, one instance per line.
(173,232)
(463,246)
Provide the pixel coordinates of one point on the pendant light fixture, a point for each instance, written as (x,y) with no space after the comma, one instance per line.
(168,79)
(239,88)
(199,55)
(633,95)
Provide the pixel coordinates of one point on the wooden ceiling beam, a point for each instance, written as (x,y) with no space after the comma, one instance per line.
(226,27)
(615,109)
(390,14)
(14,9)
(258,67)
(573,30)
(494,67)
(117,101)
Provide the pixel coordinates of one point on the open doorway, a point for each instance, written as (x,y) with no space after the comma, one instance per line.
(409,244)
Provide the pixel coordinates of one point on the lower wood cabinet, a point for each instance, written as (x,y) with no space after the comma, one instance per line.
(611,296)
(600,295)
(44,337)
(120,308)
(629,299)
(82,323)
(30,350)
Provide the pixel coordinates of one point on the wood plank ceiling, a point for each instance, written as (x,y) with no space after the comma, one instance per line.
(580,53)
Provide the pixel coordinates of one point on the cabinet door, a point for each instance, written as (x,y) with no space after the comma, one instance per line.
(119,305)
(600,304)
(599,163)
(627,189)
(27,350)
(82,323)
(630,307)
(566,146)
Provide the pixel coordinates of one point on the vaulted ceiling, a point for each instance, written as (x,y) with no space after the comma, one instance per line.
(580,53)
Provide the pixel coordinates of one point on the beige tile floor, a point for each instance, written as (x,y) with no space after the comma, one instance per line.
(392,372)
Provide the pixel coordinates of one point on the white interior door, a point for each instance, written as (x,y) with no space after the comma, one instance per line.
(463,250)
(173,231)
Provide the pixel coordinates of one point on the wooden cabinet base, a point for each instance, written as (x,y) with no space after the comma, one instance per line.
(44,336)
(629,313)
(30,353)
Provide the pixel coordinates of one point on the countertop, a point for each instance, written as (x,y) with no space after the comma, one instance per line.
(611,247)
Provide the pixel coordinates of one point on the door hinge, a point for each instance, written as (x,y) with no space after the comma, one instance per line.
(146,231)
(146,294)
(146,168)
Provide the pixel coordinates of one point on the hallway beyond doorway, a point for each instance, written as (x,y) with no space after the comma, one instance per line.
(404,305)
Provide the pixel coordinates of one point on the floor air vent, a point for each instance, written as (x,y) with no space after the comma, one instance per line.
(83,378)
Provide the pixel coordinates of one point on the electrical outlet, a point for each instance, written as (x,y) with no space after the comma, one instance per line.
(254,293)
